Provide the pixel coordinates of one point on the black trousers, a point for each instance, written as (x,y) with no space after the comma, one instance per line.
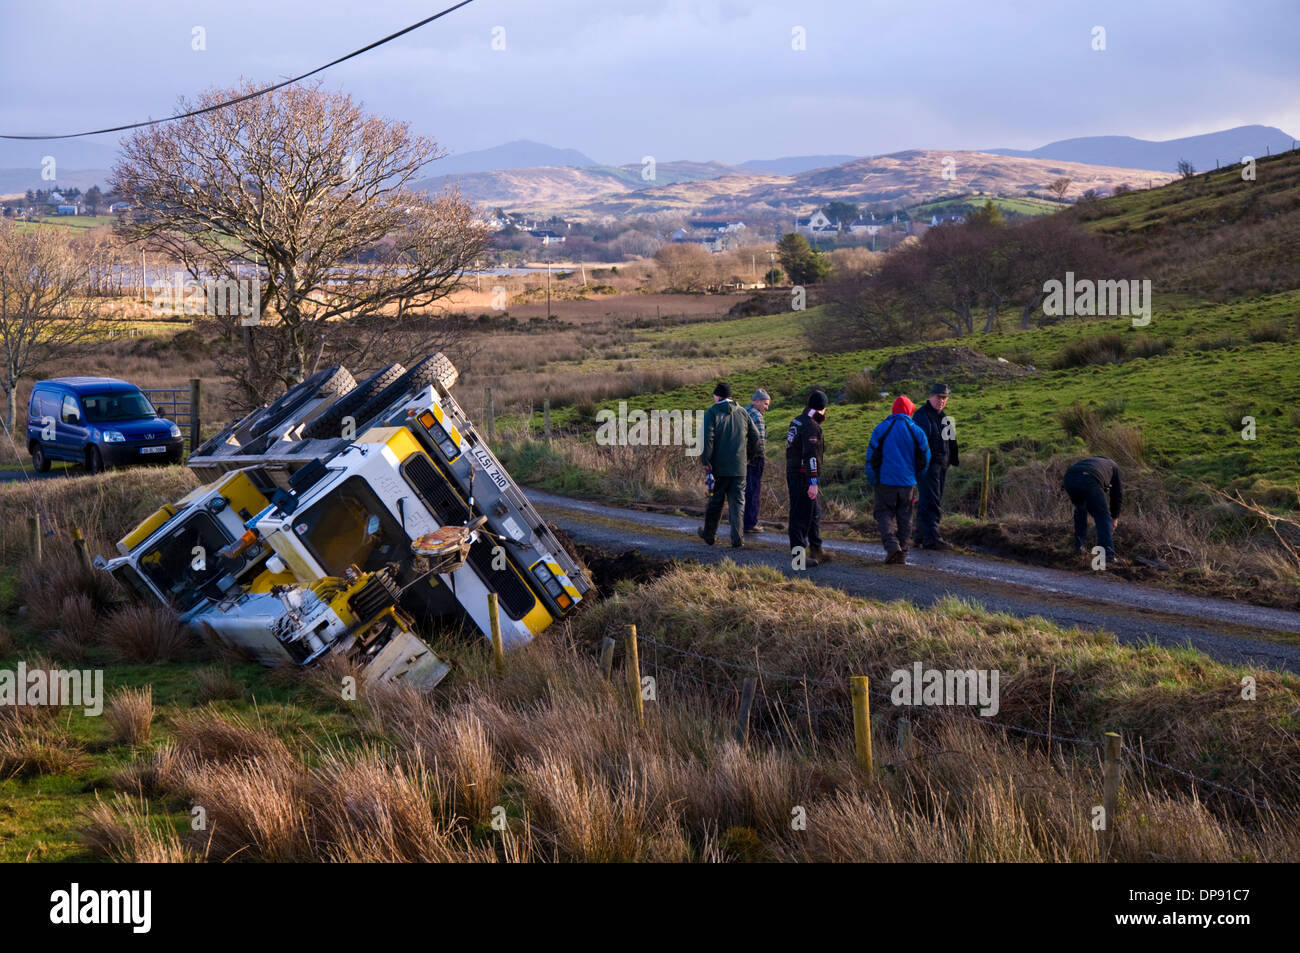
(894,508)
(1089,499)
(753,485)
(805,514)
(930,508)
(730,489)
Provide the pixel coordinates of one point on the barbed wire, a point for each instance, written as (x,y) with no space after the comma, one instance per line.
(1264,804)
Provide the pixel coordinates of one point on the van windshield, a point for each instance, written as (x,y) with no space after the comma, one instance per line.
(118,405)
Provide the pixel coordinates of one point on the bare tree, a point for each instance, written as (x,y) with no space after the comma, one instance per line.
(684,266)
(1059,187)
(302,192)
(1186,169)
(45,312)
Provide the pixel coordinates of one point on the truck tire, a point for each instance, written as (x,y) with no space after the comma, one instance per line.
(433,369)
(331,382)
(329,424)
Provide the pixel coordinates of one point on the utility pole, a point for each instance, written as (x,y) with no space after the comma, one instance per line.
(548,289)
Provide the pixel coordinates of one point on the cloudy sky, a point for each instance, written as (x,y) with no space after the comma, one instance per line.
(697,79)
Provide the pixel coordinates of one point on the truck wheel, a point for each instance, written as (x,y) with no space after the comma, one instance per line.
(329,425)
(431,370)
(94,460)
(330,382)
(40,461)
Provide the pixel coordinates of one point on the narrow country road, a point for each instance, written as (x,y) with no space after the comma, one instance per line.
(1232,632)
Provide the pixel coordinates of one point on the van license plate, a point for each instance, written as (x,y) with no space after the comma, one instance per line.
(153,449)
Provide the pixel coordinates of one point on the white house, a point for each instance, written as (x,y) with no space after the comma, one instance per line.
(816,224)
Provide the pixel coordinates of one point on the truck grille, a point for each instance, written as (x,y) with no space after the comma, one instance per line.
(515,597)
(379,592)
(434,491)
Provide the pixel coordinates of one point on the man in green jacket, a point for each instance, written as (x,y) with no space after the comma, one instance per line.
(731,440)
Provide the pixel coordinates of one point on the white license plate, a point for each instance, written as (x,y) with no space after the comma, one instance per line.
(153,449)
(491,469)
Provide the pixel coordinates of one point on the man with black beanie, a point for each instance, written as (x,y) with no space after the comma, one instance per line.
(804,453)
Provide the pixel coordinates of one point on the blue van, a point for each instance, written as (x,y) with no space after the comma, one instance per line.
(98,422)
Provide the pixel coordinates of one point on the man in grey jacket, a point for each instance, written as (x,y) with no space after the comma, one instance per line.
(730,441)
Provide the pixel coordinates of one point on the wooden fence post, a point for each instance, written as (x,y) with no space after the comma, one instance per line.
(904,733)
(860,686)
(747,690)
(34,535)
(79,544)
(607,658)
(498,650)
(196,422)
(1110,792)
(491,411)
(634,677)
(984,488)
(546,418)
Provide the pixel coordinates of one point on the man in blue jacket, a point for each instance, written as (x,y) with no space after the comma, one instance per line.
(897,454)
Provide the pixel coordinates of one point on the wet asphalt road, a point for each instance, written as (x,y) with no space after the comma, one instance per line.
(1231,632)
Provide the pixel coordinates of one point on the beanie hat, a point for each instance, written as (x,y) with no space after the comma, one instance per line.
(761,394)
(723,390)
(903,405)
(817,400)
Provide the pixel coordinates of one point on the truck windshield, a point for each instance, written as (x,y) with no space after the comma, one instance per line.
(351,527)
(185,560)
(117,405)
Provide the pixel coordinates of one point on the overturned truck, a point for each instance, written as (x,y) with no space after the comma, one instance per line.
(352,519)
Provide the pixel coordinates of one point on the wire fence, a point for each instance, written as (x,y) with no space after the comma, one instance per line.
(1137,757)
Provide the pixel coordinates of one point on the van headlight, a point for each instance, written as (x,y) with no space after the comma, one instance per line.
(113,436)
(175,431)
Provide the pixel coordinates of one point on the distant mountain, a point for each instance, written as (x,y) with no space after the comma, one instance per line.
(67,153)
(520,154)
(793,165)
(512,188)
(1226,147)
(718,190)
(18,181)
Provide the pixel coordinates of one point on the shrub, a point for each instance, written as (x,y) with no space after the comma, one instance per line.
(147,633)
(130,715)
(1109,348)
(216,684)
(1259,333)
(860,388)
(1144,345)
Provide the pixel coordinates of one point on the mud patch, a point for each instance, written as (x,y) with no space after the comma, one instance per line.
(952,365)
(606,569)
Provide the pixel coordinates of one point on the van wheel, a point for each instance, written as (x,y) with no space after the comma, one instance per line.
(94,460)
(39,460)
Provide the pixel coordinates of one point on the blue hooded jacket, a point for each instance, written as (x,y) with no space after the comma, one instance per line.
(904,454)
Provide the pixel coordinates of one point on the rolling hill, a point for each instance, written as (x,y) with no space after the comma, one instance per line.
(903,178)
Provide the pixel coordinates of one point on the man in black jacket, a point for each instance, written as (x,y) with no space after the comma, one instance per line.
(804,453)
(943,454)
(1087,483)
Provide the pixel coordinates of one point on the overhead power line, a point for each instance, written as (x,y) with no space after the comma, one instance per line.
(255,93)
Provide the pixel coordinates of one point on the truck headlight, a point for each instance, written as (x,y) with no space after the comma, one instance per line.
(113,436)
(175,431)
(548,580)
